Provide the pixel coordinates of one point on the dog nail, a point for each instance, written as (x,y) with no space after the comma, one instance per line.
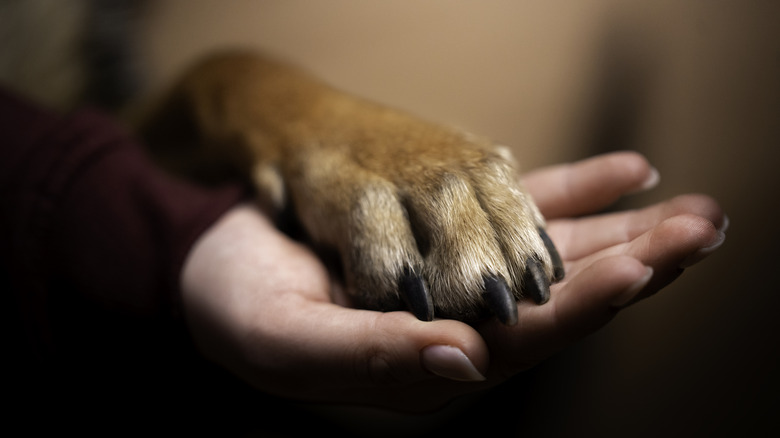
(536,284)
(416,296)
(558,271)
(500,300)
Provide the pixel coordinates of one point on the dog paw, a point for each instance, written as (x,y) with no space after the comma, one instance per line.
(424,218)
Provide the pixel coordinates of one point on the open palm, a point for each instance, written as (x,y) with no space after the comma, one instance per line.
(262,305)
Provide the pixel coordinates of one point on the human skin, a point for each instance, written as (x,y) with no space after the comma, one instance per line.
(264,307)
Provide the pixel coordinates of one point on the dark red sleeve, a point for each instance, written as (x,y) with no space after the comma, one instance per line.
(92,237)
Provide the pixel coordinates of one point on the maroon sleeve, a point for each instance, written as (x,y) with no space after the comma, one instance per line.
(92,235)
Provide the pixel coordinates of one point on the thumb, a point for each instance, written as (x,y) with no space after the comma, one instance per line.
(348,353)
(400,348)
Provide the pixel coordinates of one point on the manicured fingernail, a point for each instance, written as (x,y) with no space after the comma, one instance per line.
(629,294)
(704,252)
(449,362)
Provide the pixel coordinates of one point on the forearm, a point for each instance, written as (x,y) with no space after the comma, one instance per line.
(91,230)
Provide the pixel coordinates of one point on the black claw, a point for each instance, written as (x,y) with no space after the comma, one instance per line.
(416,296)
(558,271)
(500,300)
(535,283)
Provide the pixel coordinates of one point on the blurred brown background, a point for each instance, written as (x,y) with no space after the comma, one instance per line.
(695,85)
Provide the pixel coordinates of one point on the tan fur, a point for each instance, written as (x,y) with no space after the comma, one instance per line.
(389,191)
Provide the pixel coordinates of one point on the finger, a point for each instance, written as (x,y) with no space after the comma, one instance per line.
(588,185)
(670,247)
(580,237)
(327,352)
(579,306)
(598,286)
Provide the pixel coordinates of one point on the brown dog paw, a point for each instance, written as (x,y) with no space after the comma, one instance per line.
(424,217)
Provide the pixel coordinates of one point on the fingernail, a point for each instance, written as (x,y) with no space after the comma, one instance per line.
(725,224)
(650,182)
(629,294)
(449,362)
(704,252)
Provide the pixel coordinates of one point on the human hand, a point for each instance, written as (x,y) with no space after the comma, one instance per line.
(262,305)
